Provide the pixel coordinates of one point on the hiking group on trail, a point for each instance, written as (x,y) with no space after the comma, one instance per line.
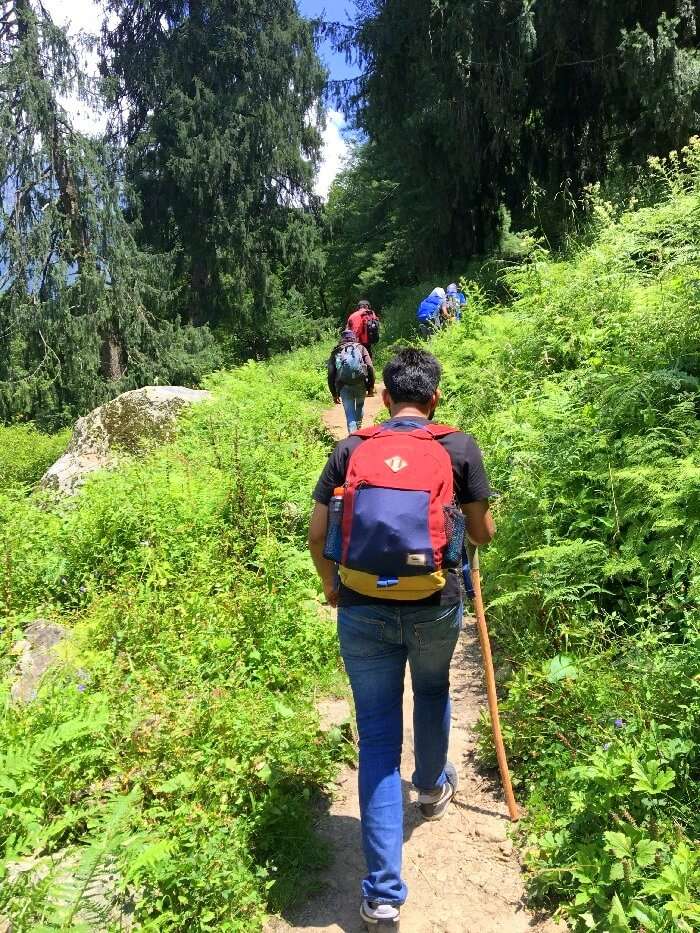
(350,367)
(393,510)
(440,308)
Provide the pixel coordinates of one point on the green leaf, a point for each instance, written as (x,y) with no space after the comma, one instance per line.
(646,852)
(149,856)
(181,781)
(284,711)
(618,844)
(646,915)
(559,668)
(617,917)
(651,778)
(223,643)
(264,772)
(617,871)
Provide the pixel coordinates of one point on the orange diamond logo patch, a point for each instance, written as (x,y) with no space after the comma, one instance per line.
(396,464)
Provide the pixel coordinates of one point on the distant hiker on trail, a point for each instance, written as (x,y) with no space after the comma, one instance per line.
(364,323)
(387,537)
(455,299)
(430,311)
(350,378)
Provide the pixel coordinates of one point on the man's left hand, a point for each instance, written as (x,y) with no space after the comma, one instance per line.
(330,591)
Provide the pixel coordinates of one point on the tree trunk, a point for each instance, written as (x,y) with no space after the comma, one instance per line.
(112,358)
(200,282)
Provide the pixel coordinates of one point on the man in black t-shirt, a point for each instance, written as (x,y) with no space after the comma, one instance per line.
(377,637)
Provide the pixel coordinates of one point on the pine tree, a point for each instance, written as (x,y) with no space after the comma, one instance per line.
(78,304)
(369,239)
(216,102)
(519,103)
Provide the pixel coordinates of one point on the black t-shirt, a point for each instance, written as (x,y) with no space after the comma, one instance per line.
(471,484)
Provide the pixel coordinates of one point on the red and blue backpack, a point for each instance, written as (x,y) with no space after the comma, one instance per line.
(401,527)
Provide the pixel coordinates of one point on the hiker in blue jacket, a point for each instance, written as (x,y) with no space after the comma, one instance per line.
(455,299)
(429,312)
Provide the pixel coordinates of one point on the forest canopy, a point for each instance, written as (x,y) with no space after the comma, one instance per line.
(188,233)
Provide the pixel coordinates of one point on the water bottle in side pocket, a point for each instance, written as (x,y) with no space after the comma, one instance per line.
(333,548)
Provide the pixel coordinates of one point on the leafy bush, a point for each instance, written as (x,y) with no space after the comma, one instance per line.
(584,393)
(26,454)
(177,745)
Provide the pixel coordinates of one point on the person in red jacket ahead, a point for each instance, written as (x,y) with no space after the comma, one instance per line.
(364,323)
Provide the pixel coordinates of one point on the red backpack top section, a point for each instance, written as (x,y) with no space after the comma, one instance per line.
(357,323)
(409,460)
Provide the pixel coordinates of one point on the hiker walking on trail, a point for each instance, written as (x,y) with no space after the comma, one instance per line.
(364,323)
(430,312)
(454,299)
(350,378)
(387,539)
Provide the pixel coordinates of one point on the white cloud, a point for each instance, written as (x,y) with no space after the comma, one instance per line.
(80,16)
(86,16)
(334,154)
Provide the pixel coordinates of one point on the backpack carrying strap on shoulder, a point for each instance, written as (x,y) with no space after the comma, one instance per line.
(364,433)
(435,430)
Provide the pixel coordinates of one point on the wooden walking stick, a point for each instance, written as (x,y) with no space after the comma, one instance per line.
(491,684)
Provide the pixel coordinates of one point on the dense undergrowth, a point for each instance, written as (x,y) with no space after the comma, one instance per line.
(177,746)
(178,742)
(585,394)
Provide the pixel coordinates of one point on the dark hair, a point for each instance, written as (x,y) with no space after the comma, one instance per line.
(412,376)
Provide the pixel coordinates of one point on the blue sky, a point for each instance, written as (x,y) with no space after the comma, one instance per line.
(336,11)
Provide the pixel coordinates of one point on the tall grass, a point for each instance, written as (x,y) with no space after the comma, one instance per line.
(185,697)
(584,392)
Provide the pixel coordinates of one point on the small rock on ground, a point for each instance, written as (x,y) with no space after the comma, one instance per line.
(37,655)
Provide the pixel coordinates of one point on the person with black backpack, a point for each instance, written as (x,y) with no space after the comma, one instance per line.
(387,537)
(364,323)
(350,378)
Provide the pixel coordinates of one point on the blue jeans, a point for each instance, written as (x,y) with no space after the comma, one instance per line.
(375,642)
(353,399)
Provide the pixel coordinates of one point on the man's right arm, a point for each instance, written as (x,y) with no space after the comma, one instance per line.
(370,370)
(480,524)
(332,377)
(326,569)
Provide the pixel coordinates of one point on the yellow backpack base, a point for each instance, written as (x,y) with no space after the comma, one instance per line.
(418,587)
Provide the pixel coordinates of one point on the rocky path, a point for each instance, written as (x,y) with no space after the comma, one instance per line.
(462,873)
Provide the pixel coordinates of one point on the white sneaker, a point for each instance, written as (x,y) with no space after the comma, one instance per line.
(433,805)
(380,916)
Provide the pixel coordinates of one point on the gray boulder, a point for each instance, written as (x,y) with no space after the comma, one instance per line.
(127,424)
(36,655)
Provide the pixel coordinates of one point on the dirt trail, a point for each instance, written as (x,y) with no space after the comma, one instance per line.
(462,873)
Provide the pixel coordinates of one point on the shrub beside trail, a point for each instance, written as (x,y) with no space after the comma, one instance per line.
(178,742)
(585,393)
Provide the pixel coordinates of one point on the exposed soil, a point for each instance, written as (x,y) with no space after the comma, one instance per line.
(334,418)
(463,874)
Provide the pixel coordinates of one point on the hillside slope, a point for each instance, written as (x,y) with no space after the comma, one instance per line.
(178,742)
(584,393)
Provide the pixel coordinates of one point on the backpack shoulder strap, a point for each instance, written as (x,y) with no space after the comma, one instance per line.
(439,430)
(371,431)
(435,430)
